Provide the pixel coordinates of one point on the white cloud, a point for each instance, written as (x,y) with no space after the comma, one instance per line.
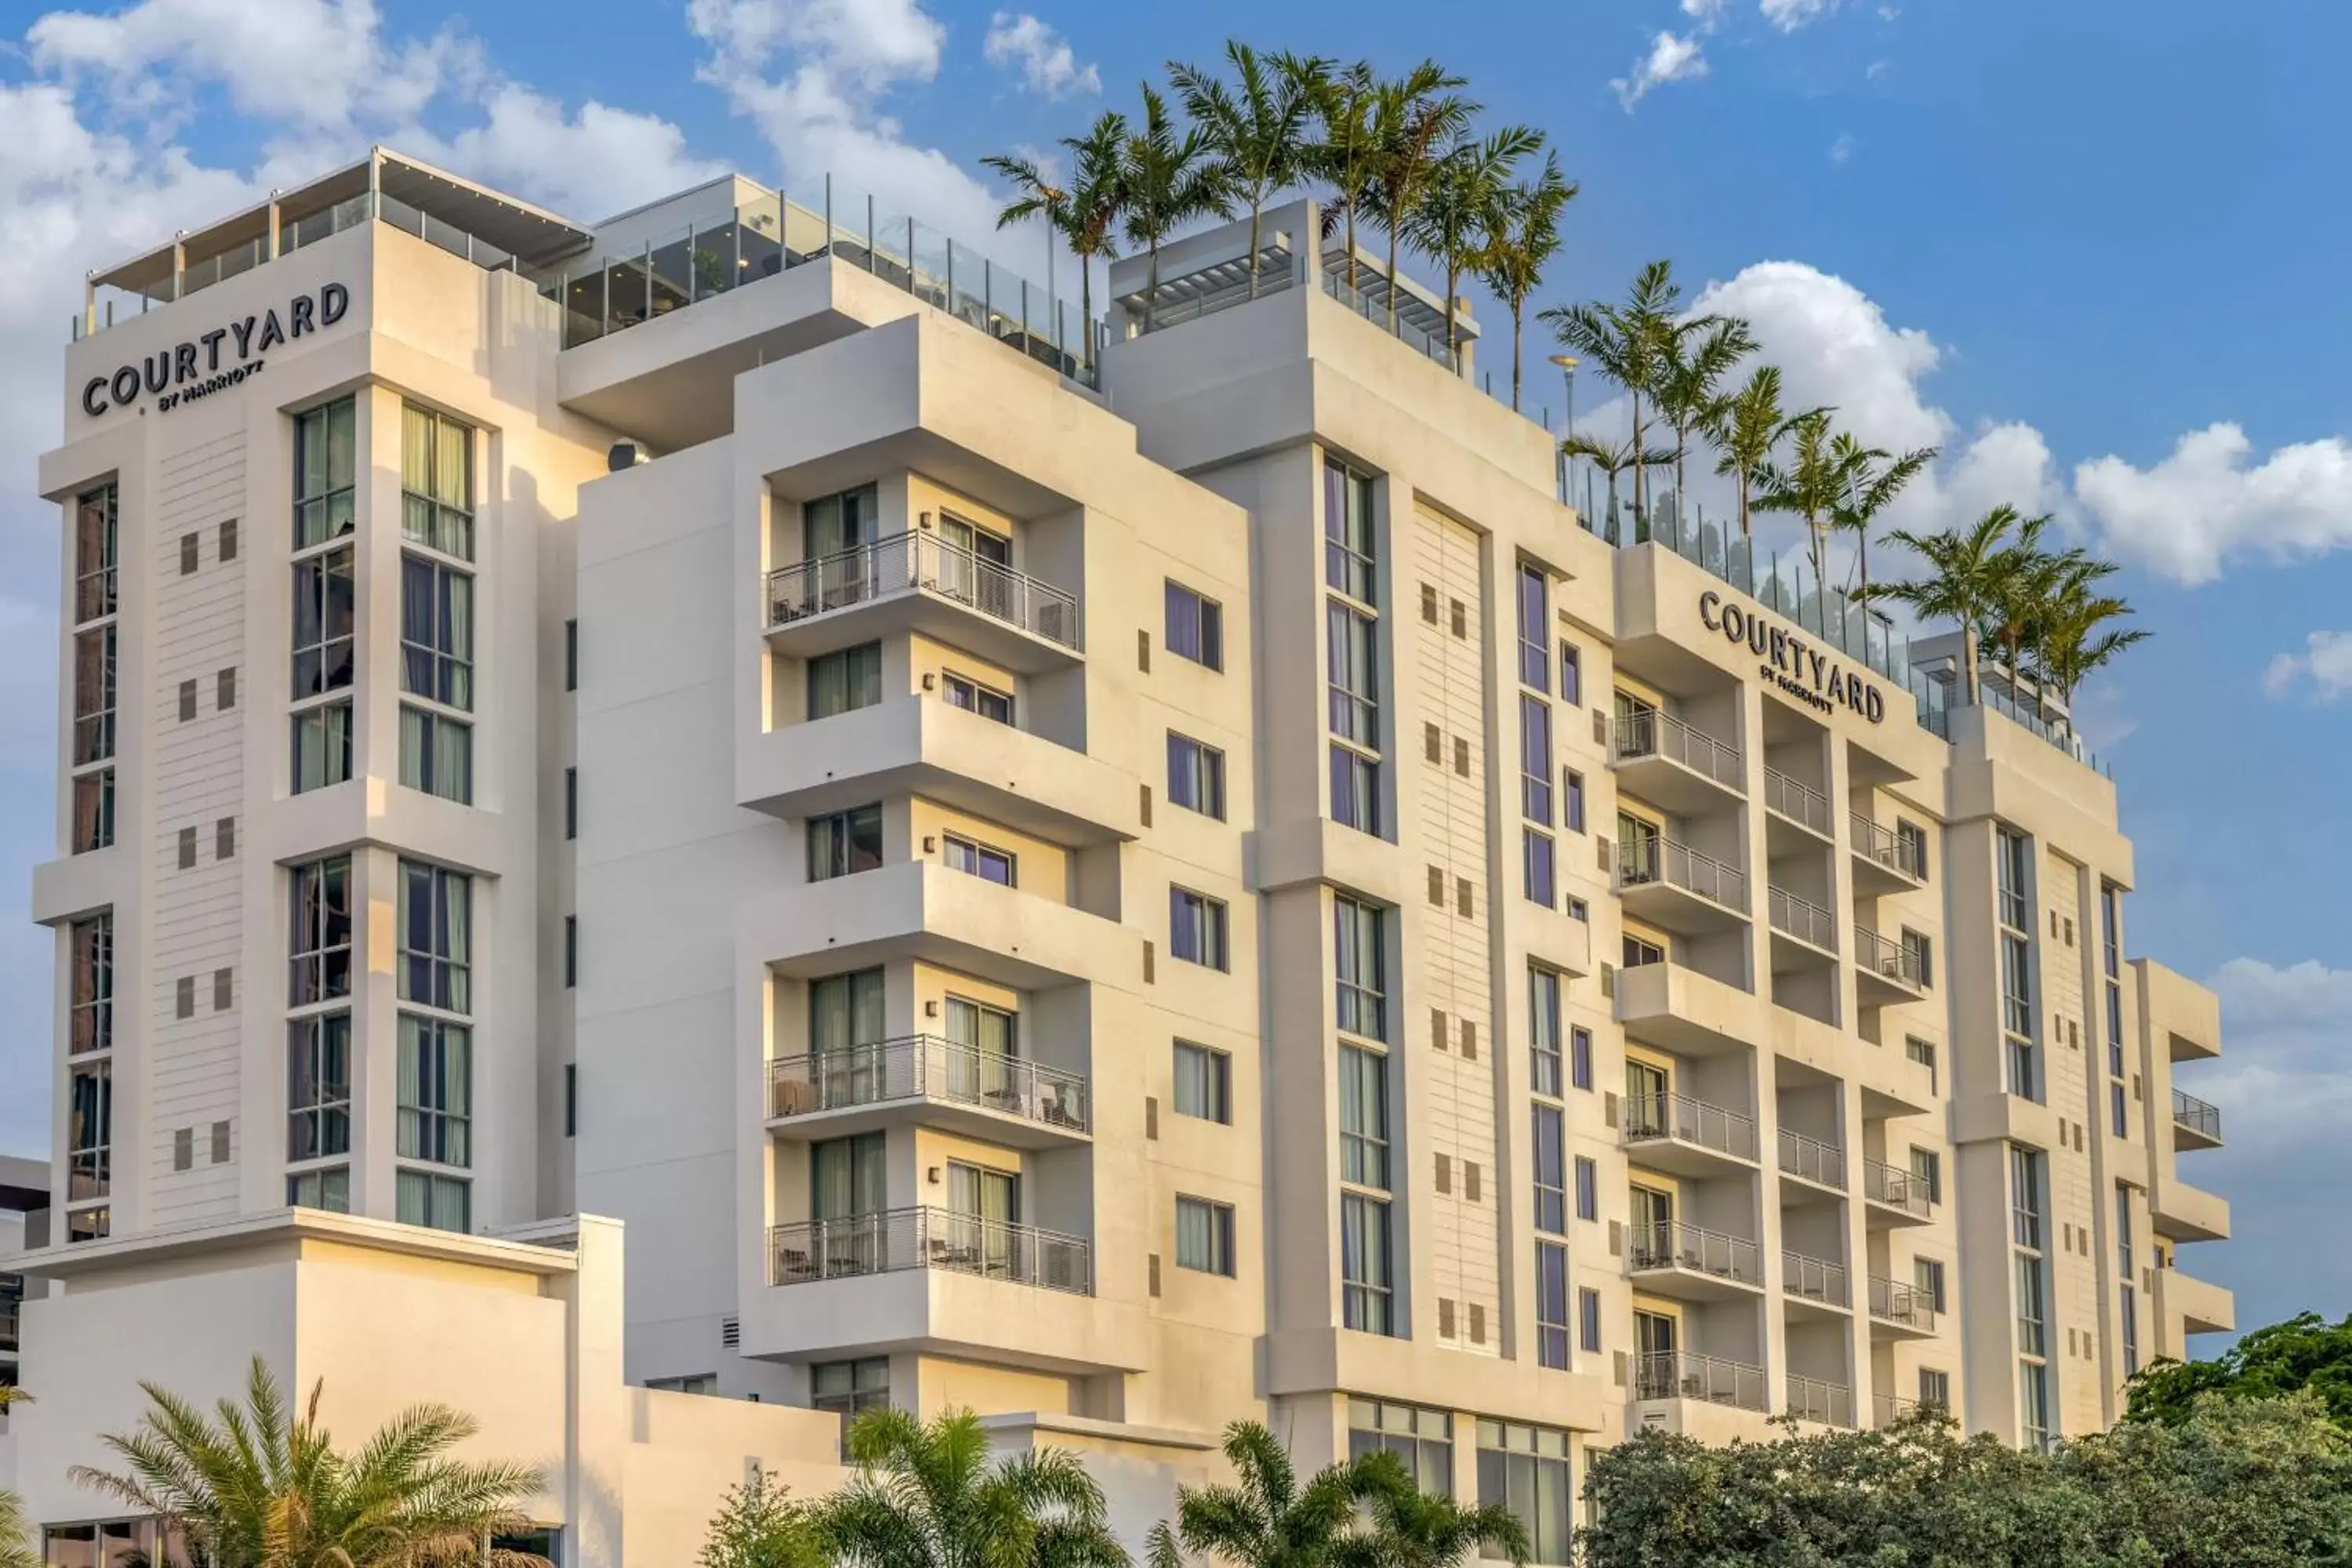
(584,165)
(1048,65)
(1877,69)
(1670,59)
(2325,662)
(1790,15)
(1706,12)
(2209,504)
(1842,149)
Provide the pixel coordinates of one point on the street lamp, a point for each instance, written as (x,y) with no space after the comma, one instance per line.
(1568,363)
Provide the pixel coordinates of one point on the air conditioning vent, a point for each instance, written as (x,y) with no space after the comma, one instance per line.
(730,1333)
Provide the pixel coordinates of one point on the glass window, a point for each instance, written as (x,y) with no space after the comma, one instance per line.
(428,1198)
(1205,1235)
(842,843)
(1363,1117)
(1353,640)
(1422,1438)
(1550,1170)
(1538,867)
(847,1177)
(321,746)
(95,546)
(846,1387)
(93,734)
(1535,628)
(1204,1083)
(90,1224)
(1924,1053)
(436,631)
(963,691)
(1196,776)
(2034,1403)
(1196,927)
(975,859)
(572,655)
(93,810)
(90,1026)
(1551,1305)
(436,754)
(318,1086)
(2025,1196)
(831,524)
(90,1130)
(1580,1056)
(1543,1029)
(1928,1280)
(437,481)
(325,445)
(2122,1230)
(1355,789)
(1359,952)
(1638,952)
(852,678)
(1349,547)
(1588,1189)
(1927,1170)
(1524,1471)
(1572,673)
(1196,626)
(701,1383)
(435,1090)
(1587,1320)
(320,932)
(329,1188)
(2130,1326)
(1535,759)
(1572,801)
(2118,1111)
(435,936)
(2013,857)
(1935,1388)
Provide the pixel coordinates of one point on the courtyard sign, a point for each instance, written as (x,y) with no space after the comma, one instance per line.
(1791,663)
(175,375)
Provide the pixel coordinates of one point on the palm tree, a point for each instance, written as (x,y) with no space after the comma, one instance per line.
(1812,483)
(925,1495)
(1258,130)
(1267,1518)
(2023,576)
(1345,156)
(1081,212)
(1873,479)
(1422,1529)
(254,1484)
(1747,427)
(15,1534)
(1415,119)
(1961,581)
(1167,180)
(1622,458)
(1699,353)
(1522,236)
(2069,644)
(1460,205)
(1627,343)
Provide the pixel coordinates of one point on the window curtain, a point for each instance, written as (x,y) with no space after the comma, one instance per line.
(455,919)
(1196,1246)
(416,473)
(455,609)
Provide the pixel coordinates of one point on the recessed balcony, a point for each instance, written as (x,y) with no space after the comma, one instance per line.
(1889,1409)
(1691,1262)
(1796,815)
(1680,1374)
(1816,1399)
(918,582)
(1885,973)
(1686,1137)
(1893,1196)
(945,1084)
(1818,1165)
(1804,934)
(1678,889)
(928,1237)
(1813,1287)
(1885,861)
(1662,759)
(1899,1311)
(2196,1124)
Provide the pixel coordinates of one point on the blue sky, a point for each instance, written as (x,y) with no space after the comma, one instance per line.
(2071,244)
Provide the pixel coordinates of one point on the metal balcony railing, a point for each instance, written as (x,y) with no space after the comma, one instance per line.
(1796,800)
(1889,960)
(1812,1159)
(2196,1115)
(1701,1251)
(1650,1118)
(1678,1374)
(1889,848)
(1802,919)
(1898,1189)
(1812,1399)
(897,1239)
(1647,862)
(1886,1409)
(929,1067)
(1656,735)
(921,559)
(1892,1302)
(1813,1278)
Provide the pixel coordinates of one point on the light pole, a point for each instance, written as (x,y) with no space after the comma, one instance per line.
(1568,363)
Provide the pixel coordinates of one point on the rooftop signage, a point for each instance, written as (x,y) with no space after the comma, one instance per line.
(1792,663)
(194,369)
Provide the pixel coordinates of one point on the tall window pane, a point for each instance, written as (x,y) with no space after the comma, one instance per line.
(321,746)
(1359,950)
(90,1027)
(436,754)
(436,942)
(93,688)
(437,481)
(322,645)
(844,682)
(325,451)
(319,1086)
(90,1130)
(436,632)
(95,543)
(435,1090)
(1353,644)
(1366,1288)
(1348,547)
(1543,1028)
(1535,628)
(322,931)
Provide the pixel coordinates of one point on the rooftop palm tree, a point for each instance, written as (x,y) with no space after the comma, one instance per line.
(1812,483)
(2023,577)
(1423,1530)
(1613,460)
(1416,120)
(2069,642)
(1082,211)
(1459,207)
(1167,180)
(925,1495)
(1627,343)
(1257,129)
(1747,427)
(1522,236)
(1698,353)
(1874,479)
(1961,581)
(256,1485)
(1267,1518)
(1345,152)
(15,1535)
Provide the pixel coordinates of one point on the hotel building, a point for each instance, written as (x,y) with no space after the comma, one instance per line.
(1124,876)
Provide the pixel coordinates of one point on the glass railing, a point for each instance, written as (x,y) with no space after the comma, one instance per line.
(1812,1278)
(929,1238)
(1651,733)
(929,1067)
(1890,960)
(1886,1409)
(1698,1250)
(1797,801)
(1816,1162)
(1893,1301)
(1650,1117)
(1802,919)
(1896,1188)
(1678,1374)
(1904,855)
(920,560)
(2197,1116)
(1647,862)
(1815,1399)
(1374,307)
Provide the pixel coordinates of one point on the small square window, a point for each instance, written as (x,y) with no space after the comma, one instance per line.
(224,990)
(187,701)
(184,1149)
(983,861)
(183,1001)
(228,540)
(1205,1235)
(1196,626)
(188,847)
(1204,1083)
(224,688)
(1196,776)
(224,838)
(220,1144)
(188,553)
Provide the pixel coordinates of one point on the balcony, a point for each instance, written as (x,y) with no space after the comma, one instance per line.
(1693,1264)
(1797,815)
(1678,889)
(1688,772)
(927,911)
(1688,1137)
(2195,1124)
(1006,1100)
(1893,1197)
(2188,1305)
(1681,1010)
(1885,973)
(1812,1162)
(1813,1399)
(1899,1311)
(930,1239)
(2179,1212)
(1678,1374)
(1884,861)
(916,582)
(1889,1409)
(1804,934)
(1815,1287)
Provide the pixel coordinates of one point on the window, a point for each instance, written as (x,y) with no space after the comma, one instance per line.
(2031,1332)
(2013,863)
(2122,1230)
(1363,1117)
(1587,1320)
(1205,1235)
(571,802)
(1572,673)
(832,524)
(2025,1196)
(1196,927)
(1423,1439)
(1543,1029)
(1538,867)
(571,1099)
(435,1090)
(846,1387)
(571,951)
(436,631)
(187,701)
(1911,847)
(1204,1083)
(1552,1177)
(1551,1305)
(90,1130)
(1928,1280)
(1924,1053)
(1927,1170)
(1572,801)
(572,655)
(93,733)
(188,553)
(962,691)
(1355,789)
(1535,759)
(847,680)
(1196,626)
(321,746)
(1359,955)
(2017,1010)
(1588,1189)
(329,1188)
(2130,1326)
(1535,628)
(1921,954)
(1348,546)
(228,540)
(702,1383)
(1935,1388)
(93,810)
(1196,776)
(442,1203)
(1352,640)
(95,545)
(322,640)
(318,1086)
(224,689)
(90,1026)
(435,937)
(1580,1056)
(842,843)
(977,859)
(1367,1296)
(325,451)
(436,754)
(1638,952)
(321,934)
(437,481)
(2118,1111)
(1524,1471)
